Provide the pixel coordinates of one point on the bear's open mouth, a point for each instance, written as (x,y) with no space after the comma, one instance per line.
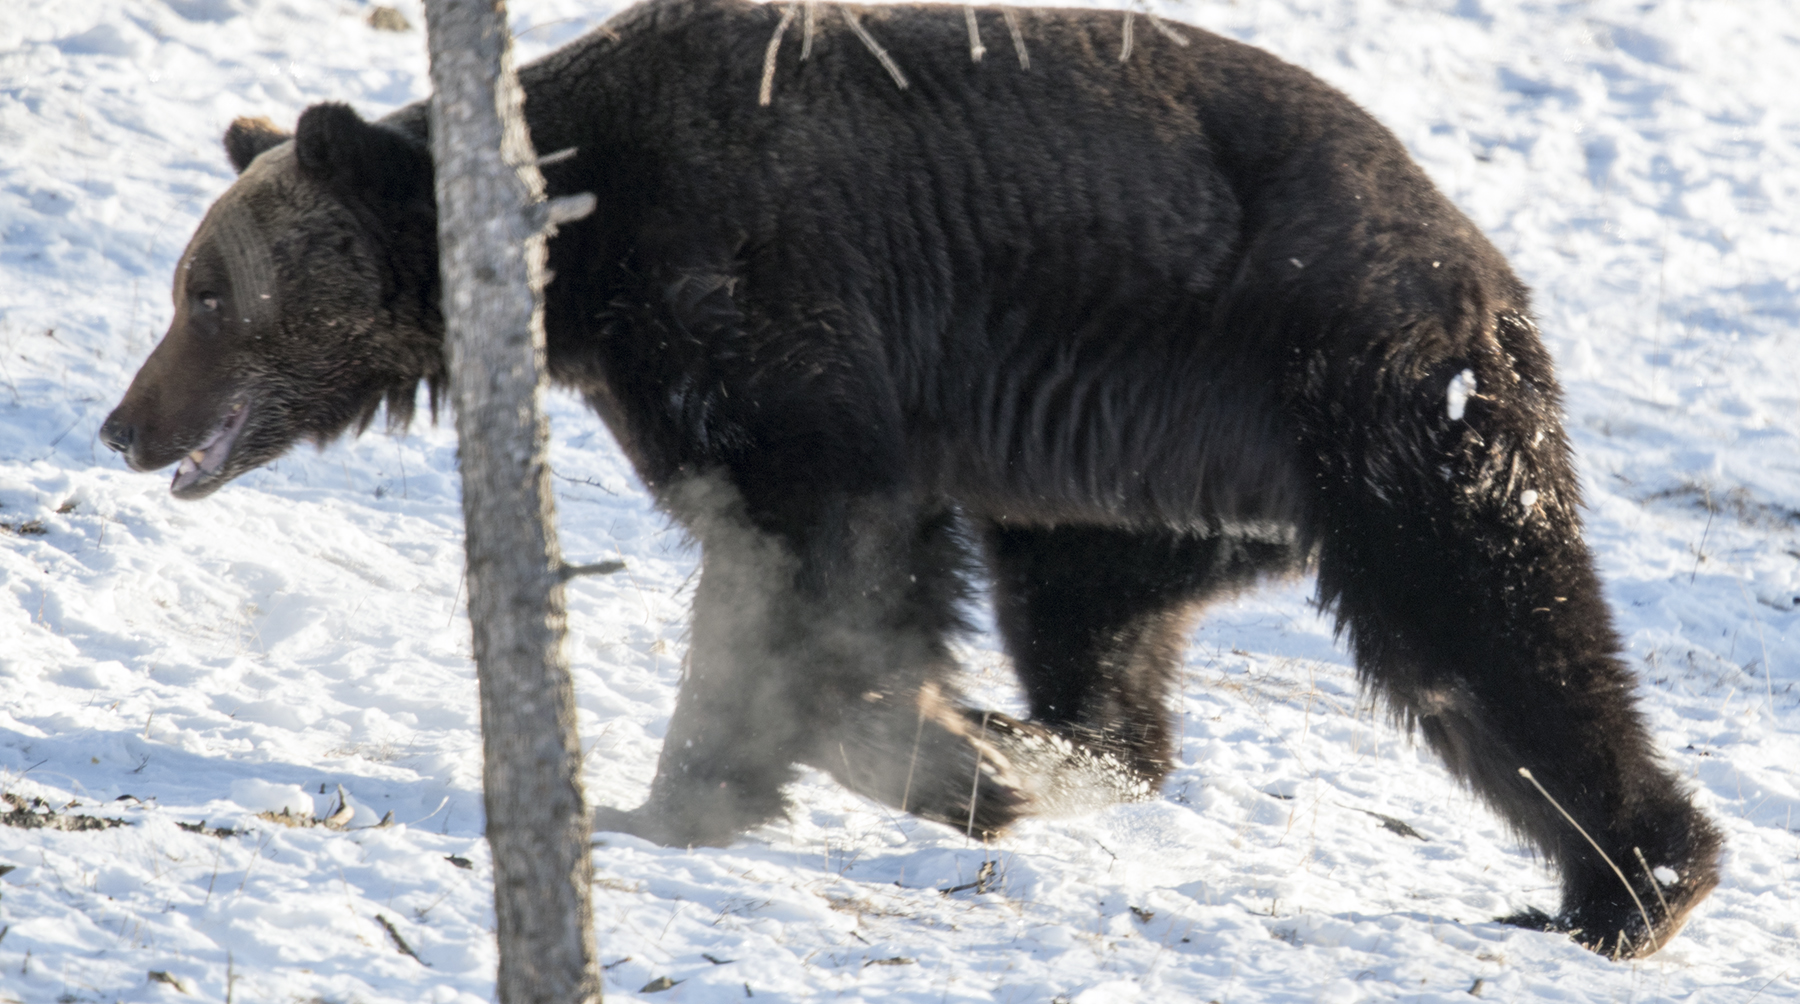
(204,463)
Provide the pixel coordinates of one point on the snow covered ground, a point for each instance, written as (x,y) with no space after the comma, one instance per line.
(169,663)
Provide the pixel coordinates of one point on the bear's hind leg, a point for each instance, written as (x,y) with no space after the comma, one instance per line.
(1450,546)
(891,723)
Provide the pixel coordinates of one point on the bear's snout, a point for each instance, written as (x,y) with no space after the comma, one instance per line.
(118,433)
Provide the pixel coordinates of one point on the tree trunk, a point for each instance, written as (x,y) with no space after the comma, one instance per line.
(491,223)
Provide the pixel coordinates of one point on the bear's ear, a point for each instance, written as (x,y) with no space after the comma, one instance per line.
(360,159)
(248,137)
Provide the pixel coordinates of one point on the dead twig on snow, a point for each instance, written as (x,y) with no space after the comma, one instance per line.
(399,942)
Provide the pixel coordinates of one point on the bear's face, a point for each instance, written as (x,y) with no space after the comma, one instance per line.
(305,299)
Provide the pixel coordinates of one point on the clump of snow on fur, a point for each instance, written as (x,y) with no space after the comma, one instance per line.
(1456,400)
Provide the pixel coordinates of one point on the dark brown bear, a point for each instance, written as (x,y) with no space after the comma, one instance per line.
(1133,332)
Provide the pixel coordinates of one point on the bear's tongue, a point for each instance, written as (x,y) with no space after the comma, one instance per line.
(210,457)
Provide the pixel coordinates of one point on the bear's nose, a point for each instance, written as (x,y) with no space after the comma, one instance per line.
(117,433)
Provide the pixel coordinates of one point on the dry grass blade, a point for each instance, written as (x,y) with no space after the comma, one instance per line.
(1768,674)
(868,40)
(975,784)
(1649,928)
(764,95)
(918,733)
(1018,37)
(1655,883)
(1169,33)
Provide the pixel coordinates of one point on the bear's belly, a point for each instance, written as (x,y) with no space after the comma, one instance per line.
(1199,456)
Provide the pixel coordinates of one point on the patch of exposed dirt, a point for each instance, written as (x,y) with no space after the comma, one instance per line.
(37,814)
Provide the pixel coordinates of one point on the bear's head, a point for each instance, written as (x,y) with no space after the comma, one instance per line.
(308,297)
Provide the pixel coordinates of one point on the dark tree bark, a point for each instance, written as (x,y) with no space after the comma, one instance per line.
(491,230)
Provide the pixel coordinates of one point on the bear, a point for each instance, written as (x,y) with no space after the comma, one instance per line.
(1119,328)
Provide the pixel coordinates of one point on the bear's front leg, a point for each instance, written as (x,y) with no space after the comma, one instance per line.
(819,633)
(738,725)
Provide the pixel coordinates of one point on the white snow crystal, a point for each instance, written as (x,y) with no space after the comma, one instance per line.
(1528,497)
(1666,875)
(1456,400)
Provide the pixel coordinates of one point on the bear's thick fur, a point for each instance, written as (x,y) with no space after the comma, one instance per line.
(1135,332)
